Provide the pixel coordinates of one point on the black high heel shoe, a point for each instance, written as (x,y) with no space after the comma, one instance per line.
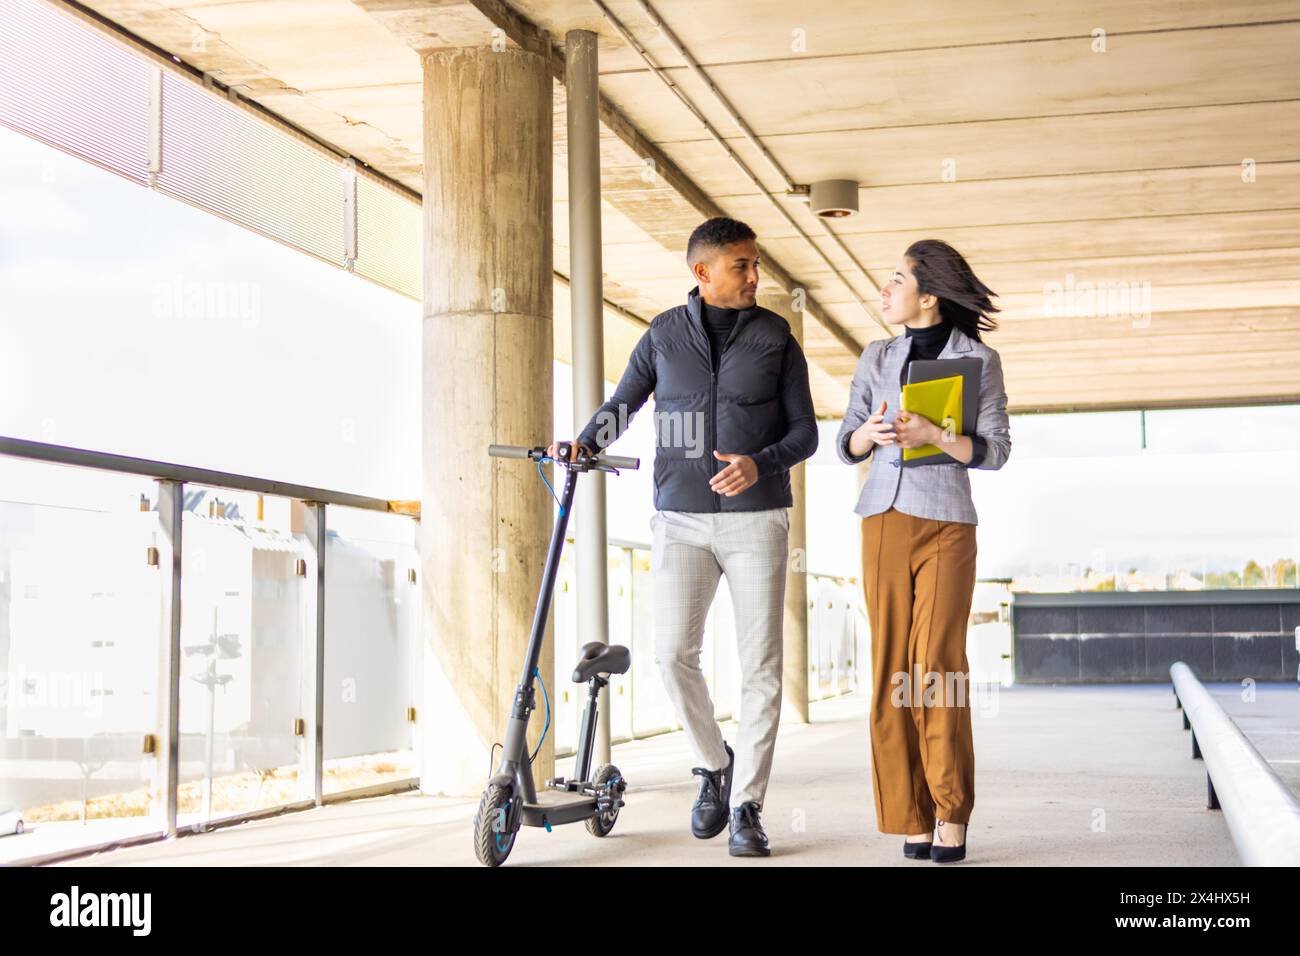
(949,854)
(916,851)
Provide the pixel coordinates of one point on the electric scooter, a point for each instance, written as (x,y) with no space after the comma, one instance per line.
(511,800)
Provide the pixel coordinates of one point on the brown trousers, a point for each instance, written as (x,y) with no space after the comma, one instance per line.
(919,578)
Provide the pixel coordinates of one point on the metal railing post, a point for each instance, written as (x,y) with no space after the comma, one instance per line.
(316,530)
(171,508)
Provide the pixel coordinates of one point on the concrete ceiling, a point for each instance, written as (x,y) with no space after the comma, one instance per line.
(998,125)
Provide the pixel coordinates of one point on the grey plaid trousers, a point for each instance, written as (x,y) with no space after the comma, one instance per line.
(689,554)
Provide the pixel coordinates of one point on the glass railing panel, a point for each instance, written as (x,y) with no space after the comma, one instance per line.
(247,631)
(81,601)
(373,653)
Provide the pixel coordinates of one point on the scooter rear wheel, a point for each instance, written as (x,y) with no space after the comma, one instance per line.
(600,824)
(492,839)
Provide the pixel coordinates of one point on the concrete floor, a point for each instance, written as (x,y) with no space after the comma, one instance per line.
(1080,776)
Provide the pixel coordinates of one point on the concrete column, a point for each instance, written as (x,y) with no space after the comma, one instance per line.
(587,298)
(485,522)
(794,694)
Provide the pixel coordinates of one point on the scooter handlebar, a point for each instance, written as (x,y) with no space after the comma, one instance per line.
(519,451)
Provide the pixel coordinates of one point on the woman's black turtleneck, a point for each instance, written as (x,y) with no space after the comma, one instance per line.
(718,322)
(927,343)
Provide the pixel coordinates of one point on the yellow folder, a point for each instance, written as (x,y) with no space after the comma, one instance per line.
(938,400)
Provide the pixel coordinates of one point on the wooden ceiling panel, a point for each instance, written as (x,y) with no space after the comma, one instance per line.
(1175,69)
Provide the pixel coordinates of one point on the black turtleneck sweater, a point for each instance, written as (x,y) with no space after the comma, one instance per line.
(927,343)
(718,322)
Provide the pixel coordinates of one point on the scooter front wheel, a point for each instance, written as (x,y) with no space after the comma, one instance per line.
(493,838)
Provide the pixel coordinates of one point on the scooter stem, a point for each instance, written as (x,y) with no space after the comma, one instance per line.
(515,762)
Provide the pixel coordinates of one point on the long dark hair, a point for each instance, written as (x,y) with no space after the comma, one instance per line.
(964,300)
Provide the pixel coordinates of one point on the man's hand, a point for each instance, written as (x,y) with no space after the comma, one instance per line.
(553,452)
(736,477)
(912,430)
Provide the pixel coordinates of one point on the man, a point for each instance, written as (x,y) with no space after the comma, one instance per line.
(733,414)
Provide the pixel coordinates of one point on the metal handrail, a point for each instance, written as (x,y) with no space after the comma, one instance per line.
(167,471)
(1262,814)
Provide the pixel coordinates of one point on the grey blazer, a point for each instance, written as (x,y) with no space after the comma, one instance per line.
(942,491)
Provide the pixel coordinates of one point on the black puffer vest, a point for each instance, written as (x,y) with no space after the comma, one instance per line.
(736,411)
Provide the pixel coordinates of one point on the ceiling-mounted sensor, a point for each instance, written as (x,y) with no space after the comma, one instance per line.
(833,198)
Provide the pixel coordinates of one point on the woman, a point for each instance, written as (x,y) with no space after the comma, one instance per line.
(918,549)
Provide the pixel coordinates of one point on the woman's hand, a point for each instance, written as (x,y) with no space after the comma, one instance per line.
(915,430)
(875,430)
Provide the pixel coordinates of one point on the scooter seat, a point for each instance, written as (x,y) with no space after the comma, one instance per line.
(597,658)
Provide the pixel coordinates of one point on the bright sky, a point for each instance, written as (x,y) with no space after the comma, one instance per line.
(304,373)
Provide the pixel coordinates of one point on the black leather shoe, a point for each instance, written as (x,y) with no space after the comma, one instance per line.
(747,836)
(709,814)
(950,854)
(916,851)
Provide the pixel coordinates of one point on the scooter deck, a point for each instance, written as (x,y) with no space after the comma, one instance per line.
(557,807)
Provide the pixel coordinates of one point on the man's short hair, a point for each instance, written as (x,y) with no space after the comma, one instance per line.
(714,234)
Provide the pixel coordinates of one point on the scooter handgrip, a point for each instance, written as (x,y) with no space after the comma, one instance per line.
(508,451)
(615,461)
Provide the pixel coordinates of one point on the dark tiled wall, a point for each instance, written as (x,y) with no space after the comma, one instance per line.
(1115,644)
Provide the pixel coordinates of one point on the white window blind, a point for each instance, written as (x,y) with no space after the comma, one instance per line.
(69,87)
(69,83)
(389,233)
